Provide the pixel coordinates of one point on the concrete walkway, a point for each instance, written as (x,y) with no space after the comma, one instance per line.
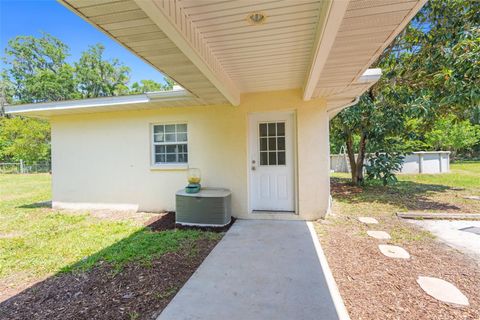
(261,269)
(451,233)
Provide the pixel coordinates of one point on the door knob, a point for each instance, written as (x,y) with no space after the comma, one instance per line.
(254,168)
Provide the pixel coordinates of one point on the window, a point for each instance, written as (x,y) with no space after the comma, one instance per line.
(170,143)
(272,143)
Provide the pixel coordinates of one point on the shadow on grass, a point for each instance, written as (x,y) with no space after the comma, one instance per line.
(43,204)
(407,195)
(134,278)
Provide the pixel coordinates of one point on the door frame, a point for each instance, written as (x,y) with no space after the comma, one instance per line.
(249,138)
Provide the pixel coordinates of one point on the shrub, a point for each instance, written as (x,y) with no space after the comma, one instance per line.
(383,166)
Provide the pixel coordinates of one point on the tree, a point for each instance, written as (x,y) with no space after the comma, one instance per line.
(450,134)
(98,77)
(6,93)
(24,139)
(37,69)
(152,86)
(365,126)
(431,69)
(169,83)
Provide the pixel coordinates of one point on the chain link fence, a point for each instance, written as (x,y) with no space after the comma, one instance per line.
(21,167)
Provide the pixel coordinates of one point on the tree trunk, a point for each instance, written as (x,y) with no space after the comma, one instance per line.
(351,157)
(361,157)
(356,165)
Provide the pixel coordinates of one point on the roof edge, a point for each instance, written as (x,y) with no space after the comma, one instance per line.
(98,102)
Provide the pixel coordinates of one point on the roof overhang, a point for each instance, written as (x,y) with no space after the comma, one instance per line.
(212,50)
(351,95)
(149,100)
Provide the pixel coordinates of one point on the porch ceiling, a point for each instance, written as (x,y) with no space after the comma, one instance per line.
(210,48)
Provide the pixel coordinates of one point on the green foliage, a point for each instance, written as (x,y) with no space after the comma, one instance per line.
(146,86)
(39,241)
(37,70)
(98,77)
(24,139)
(383,166)
(169,83)
(429,71)
(151,86)
(141,246)
(450,134)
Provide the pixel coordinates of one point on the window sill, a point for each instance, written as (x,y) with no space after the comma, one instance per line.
(169,167)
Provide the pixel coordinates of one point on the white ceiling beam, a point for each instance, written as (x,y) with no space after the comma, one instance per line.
(326,34)
(176,24)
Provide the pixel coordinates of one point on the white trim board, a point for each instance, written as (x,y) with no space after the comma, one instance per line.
(332,285)
(94,206)
(164,96)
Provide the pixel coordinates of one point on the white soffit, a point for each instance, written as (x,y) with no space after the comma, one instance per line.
(213,50)
(274,55)
(368,27)
(351,95)
(209,46)
(132,27)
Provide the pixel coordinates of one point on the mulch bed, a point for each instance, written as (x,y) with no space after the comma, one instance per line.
(377,287)
(136,292)
(166,221)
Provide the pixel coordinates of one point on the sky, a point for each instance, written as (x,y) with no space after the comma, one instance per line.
(31,17)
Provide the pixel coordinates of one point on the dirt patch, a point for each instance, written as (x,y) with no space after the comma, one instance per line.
(161,222)
(136,292)
(339,188)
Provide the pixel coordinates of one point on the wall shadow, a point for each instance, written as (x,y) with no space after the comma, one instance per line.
(43,204)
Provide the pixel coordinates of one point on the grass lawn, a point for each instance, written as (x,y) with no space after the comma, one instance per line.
(377,287)
(427,192)
(37,242)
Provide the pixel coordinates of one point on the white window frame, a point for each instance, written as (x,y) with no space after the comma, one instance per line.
(167,165)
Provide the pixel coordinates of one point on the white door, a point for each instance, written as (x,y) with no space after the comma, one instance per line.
(271,162)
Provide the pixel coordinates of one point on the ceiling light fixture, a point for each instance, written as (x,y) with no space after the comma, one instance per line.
(256,18)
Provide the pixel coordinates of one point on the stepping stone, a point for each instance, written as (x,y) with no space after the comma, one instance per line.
(381,235)
(368,220)
(394,251)
(472,197)
(442,290)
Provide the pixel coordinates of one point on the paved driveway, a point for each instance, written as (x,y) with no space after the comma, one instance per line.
(261,269)
(463,235)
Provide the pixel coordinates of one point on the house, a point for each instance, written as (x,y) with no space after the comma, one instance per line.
(261,80)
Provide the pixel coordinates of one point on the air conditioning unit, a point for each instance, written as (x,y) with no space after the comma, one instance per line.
(211,207)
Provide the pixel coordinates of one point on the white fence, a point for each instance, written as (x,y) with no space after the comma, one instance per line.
(21,167)
(416,162)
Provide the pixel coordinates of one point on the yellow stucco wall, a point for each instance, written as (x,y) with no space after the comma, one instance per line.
(105,158)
